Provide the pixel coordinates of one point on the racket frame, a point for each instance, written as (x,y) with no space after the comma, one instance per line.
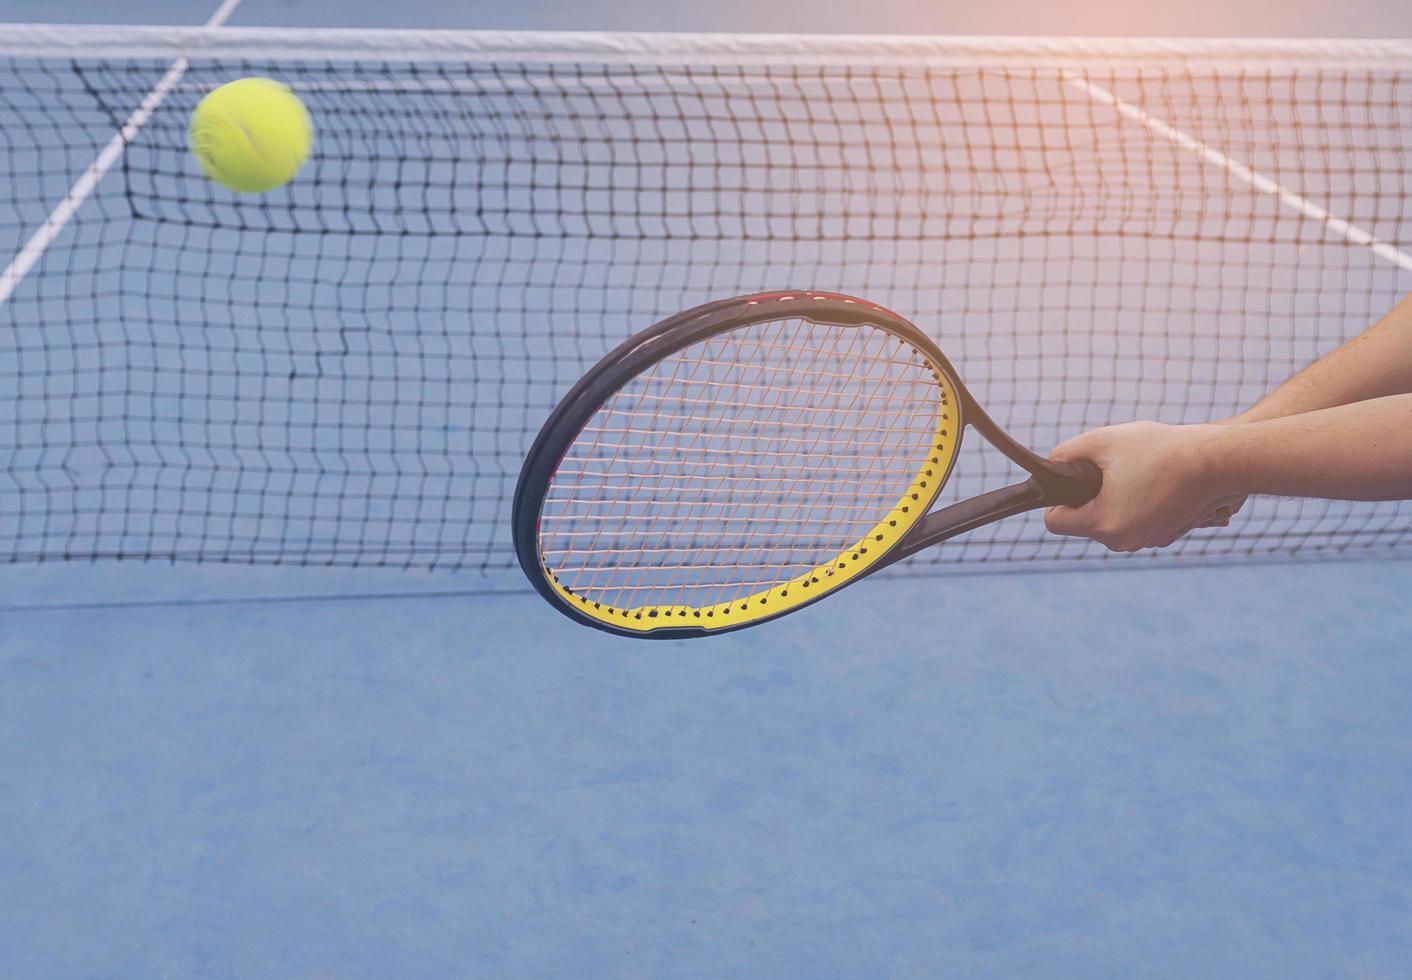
(1050,483)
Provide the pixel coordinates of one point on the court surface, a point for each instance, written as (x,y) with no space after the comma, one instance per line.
(1100,774)
(236,772)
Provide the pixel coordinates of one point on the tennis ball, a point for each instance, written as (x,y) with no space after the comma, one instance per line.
(251,135)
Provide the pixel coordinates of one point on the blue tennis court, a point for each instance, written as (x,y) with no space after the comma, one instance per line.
(275,699)
(913,780)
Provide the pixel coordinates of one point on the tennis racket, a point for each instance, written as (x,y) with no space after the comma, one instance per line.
(743,459)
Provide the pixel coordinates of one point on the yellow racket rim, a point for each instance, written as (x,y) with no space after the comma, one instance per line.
(931,467)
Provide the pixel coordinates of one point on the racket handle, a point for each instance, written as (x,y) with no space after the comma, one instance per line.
(1071,484)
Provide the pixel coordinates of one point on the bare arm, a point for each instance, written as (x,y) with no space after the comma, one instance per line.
(1341,428)
(1358,451)
(1377,362)
(1160,481)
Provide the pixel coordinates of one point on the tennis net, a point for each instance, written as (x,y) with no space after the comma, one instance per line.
(349,370)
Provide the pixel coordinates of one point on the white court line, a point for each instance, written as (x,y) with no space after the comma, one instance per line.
(25,259)
(1344,229)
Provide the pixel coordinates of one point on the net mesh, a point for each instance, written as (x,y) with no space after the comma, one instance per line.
(349,371)
(741,463)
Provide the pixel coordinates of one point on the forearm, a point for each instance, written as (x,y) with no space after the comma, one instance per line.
(1359,451)
(1376,363)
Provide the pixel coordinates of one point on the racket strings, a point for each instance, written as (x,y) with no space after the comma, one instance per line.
(738,464)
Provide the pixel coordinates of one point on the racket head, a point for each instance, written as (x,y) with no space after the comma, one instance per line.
(736,462)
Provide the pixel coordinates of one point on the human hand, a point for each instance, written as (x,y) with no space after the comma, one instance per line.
(1158,485)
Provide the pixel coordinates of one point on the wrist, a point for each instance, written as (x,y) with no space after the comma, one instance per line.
(1215,459)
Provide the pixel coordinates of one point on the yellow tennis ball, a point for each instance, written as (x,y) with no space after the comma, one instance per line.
(251,135)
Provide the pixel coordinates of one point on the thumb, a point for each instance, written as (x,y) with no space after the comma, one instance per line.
(1087,445)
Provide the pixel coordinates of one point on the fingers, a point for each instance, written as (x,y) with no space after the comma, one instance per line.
(1220,517)
(1086,522)
(1070,521)
(1076,521)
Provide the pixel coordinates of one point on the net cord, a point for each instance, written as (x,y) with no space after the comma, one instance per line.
(550,47)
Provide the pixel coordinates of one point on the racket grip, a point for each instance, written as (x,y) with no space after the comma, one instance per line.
(1072,484)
